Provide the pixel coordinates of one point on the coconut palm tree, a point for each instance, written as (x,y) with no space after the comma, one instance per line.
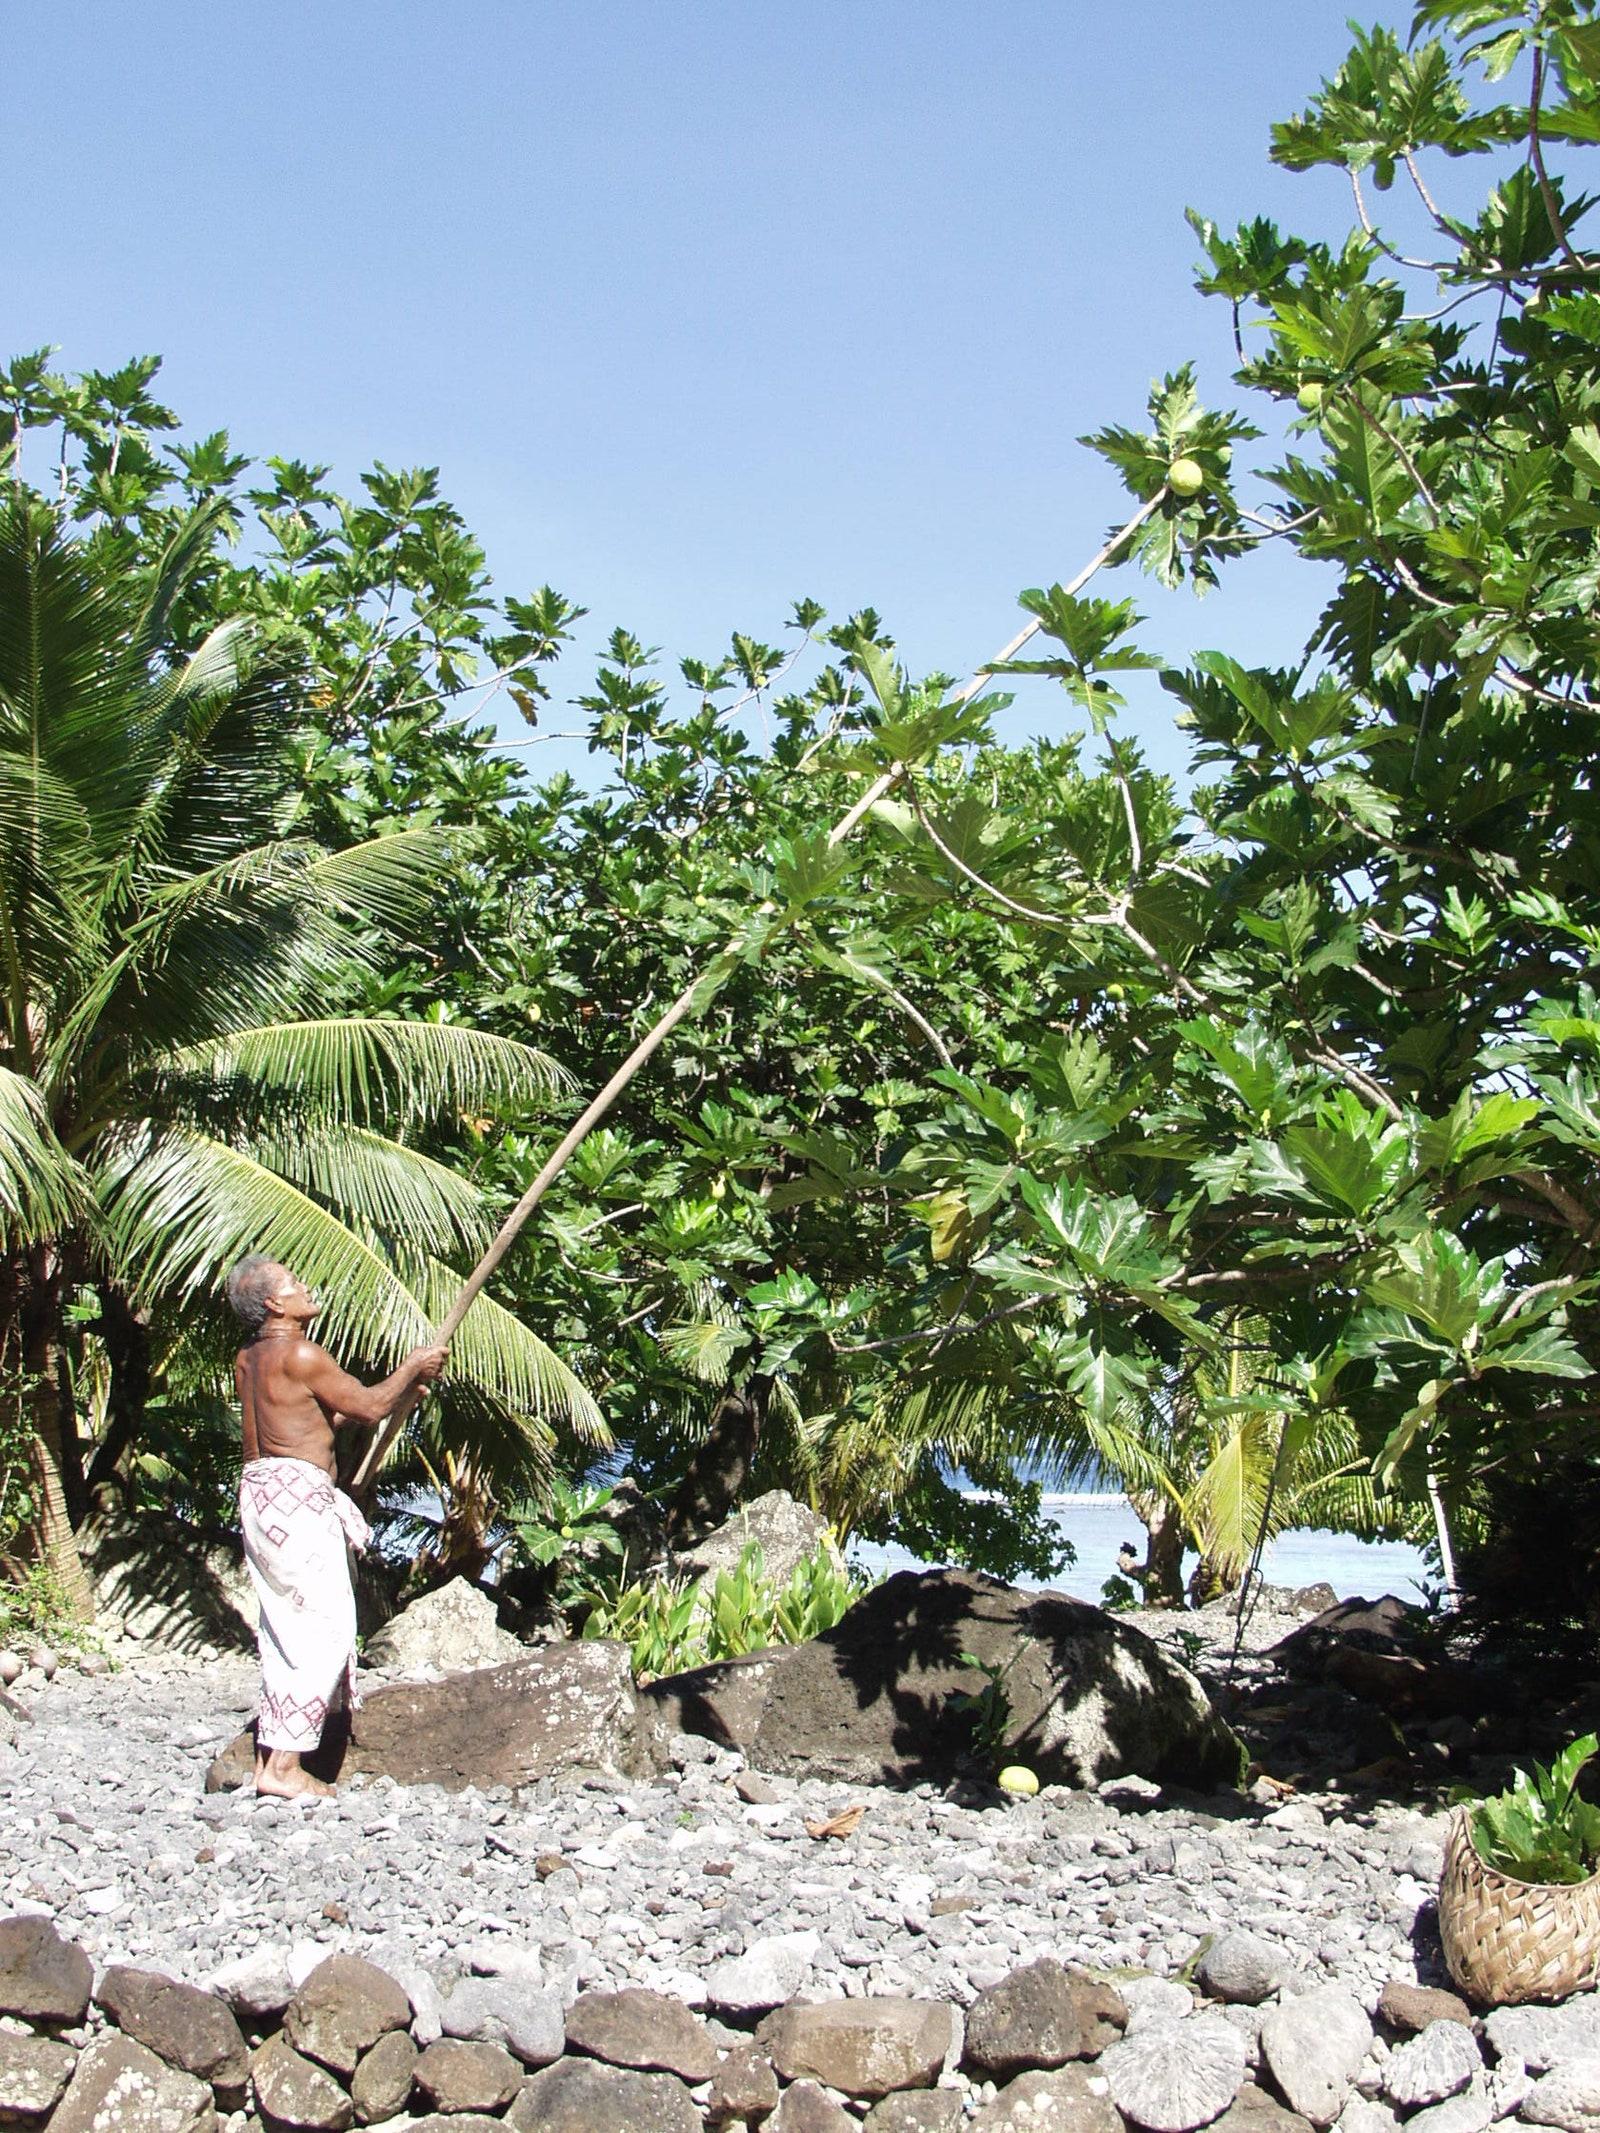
(181,1077)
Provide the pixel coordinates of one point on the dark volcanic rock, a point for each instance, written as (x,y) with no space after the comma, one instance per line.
(188,2028)
(119,2087)
(646,2030)
(1410,2008)
(743,2089)
(342,2009)
(563,1707)
(875,1699)
(860,2047)
(1040,2016)
(33,2073)
(43,1978)
(294,2091)
(467,2077)
(585,2096)
(382,2081)
(1061,2101)
(808,2109)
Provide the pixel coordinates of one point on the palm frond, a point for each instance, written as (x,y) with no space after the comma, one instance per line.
(393,880)
(359,1069)
(179,1208)
(495,1350)
(1226,1508)
(41,1187)
(381,1186)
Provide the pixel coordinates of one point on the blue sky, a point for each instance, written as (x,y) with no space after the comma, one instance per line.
(699,308)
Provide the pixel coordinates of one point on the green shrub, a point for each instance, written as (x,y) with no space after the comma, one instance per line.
(564,1536)
(33,1609)
(669,1628)
(1539,1829)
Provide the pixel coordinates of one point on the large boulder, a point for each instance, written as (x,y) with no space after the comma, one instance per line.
(43,1978)
(564,1707)
(878,1698)
(785,1531)
(450,1631)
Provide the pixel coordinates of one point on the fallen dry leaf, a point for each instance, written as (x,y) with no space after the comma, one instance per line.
(843,1824)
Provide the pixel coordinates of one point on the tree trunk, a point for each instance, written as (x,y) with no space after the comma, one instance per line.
(710,1490)
(1163,1560)
(126,1333)
(1211,1581)
(43,1400)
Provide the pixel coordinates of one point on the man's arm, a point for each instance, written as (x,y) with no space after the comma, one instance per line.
(345,1398)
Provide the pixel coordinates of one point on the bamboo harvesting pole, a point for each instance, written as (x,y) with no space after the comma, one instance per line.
(700,990)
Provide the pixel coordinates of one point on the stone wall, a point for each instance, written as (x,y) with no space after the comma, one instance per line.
(346,2044)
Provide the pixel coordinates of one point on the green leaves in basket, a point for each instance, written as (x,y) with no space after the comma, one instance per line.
(1539,1829)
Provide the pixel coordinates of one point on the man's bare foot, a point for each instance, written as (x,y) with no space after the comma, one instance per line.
(279,1776)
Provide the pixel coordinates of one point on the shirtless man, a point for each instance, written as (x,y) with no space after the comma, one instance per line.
(297,1523)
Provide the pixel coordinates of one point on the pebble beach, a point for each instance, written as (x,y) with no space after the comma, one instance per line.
(680,1883)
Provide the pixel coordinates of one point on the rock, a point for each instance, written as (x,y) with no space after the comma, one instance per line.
(120,2087)
(1361,2115)
(862,2048)
(1244,1969)
(1039,2016)
(743,2089)
(924,2111)
(187,2028)
(806,2109)
(1509,2088)
(446,2122)
(1410,2008)
(874,1699)
(641,2029)
(1387,1627)
(770,1971)
(455,2076)
(1313,1599)
(529,2019)
(1439,2062)
(160,1582)
(1314,2047)
(10,1668)
(1254,2111)
(44,1661)
(293,2091)
(1154,1999)
(566,1706)
(342,2009)
(1568,2097)
(1058,2102)
(452,1630)
(34,2072)
(381,2085)
(1543,2037)
(1472,2110)
(587,2096)
(43,1978)
(786,1532)
(257,1985)
(1175,2076)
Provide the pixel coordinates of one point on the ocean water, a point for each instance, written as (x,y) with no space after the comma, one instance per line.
(1097,1525)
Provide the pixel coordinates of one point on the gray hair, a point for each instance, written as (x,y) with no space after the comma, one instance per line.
(249,1285)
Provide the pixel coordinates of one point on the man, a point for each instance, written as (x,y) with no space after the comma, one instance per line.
(297,1524)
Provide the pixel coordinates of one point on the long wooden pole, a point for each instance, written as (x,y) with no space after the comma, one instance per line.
(705,984)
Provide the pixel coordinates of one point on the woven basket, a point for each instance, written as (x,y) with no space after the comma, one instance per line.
(1507,1941)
